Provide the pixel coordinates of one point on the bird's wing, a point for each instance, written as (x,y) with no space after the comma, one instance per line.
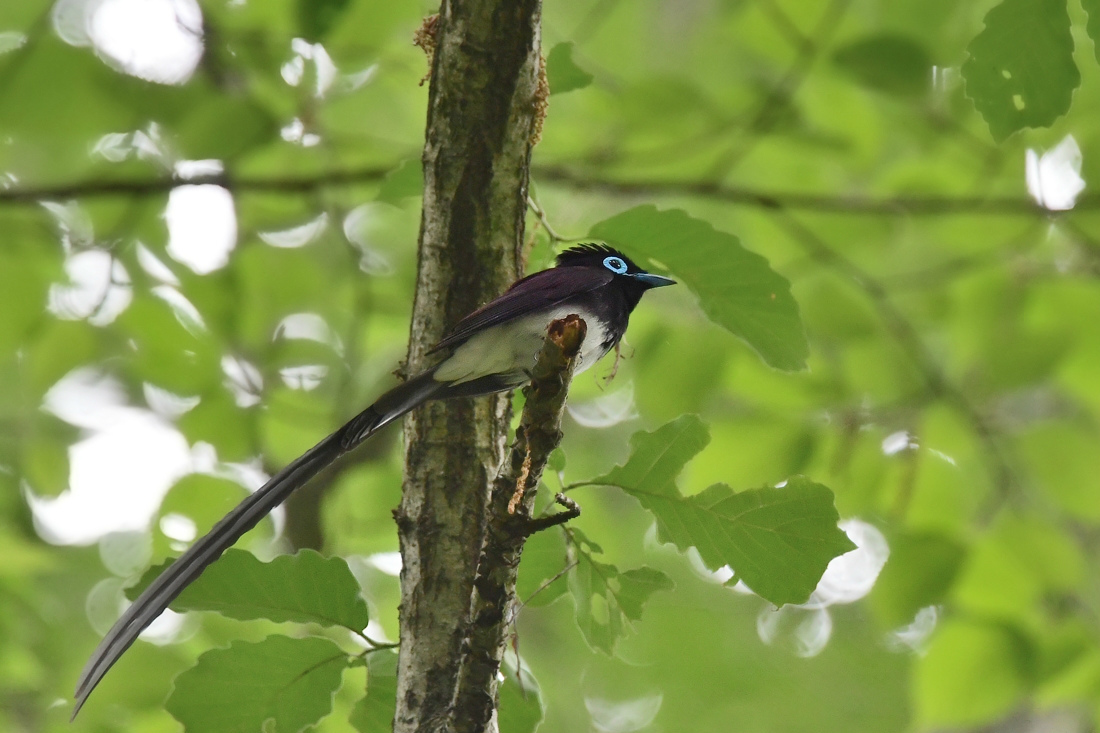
(540,291)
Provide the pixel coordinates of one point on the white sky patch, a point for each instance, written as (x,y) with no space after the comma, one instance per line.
(98,289)
(1054,177)
(182,308)
(202,226)
(606,410)
(11,40)
(155,40)
(310,63)
(623,716)
(851,576)
(243,379)
(386,562)
(295,132)
(167,404)
(897,442)
(298,236)
(119,473)
(913,636)
(73,222)
(154,266)
(804,631)
(364,226)
(179,528)
(304,377)
(311,327)
(148,144)
(187,169)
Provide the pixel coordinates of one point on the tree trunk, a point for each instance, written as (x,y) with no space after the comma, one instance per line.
(481,120)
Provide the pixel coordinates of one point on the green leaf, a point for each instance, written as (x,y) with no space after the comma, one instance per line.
(657,458)
(202,498)
(218,420)
(541,578)
(607,600)
(278,685)
(1021,72)
(736,288)
(889,63)
(46,454)
(779,541)
(972,673)
(203,133)
(403,182)
(22,298)
(562,72)
(1092,7)
(317,17)
(374,712)
(304,588)
(556,461)
(918,573)
(521,705)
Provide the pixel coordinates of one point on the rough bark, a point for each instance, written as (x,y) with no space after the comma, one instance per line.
(510,523)
(478,142)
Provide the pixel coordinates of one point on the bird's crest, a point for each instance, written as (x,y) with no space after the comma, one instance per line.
(591,253)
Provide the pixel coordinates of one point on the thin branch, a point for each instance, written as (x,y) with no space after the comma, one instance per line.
(541,214)
(912,205)
(151,186)
(509,522)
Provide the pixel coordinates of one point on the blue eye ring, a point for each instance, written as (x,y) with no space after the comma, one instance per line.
(615,264)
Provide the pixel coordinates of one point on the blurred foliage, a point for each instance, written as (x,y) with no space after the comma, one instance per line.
(844,185)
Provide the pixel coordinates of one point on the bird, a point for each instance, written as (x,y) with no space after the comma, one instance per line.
(491,350)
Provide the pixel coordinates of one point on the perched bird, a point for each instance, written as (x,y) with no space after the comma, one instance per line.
(491,350)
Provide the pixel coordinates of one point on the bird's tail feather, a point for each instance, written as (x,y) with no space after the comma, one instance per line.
(188,566)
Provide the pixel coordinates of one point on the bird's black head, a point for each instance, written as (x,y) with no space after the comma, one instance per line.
(627,273)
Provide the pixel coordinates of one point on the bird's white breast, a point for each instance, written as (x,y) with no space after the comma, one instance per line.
(513,347)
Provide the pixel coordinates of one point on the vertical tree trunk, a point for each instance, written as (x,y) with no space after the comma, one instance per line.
(481,113)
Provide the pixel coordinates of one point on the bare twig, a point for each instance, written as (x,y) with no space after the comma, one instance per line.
(507,531)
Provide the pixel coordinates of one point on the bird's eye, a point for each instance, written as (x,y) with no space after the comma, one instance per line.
(615,264)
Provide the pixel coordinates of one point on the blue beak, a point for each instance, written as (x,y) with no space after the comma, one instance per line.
(653,281)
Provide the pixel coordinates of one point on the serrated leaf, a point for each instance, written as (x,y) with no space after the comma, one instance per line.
(374,712)
(562,72)
(304,588)
(1021,72)
(888,62)
(737,289)
(657,458)
(607,600)
(779,541)
(278,685)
